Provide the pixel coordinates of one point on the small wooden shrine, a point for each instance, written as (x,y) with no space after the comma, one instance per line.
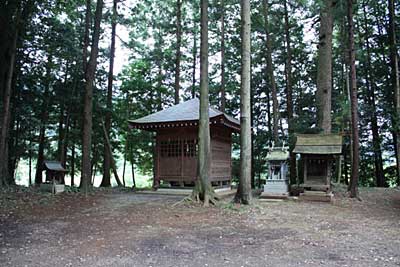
(55,173)
(317,153)
(176,129)
(277,182)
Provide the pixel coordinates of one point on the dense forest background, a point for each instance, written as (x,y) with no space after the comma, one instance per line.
(45,47)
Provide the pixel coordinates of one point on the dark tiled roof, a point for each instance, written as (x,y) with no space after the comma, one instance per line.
(184,112)
(318,144)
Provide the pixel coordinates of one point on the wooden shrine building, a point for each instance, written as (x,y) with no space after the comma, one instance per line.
(317,153)
(54,171)
(55,174)
(176,128)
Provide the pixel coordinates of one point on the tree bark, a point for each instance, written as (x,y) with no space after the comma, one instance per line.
(203,186)
(271,76)
(106,181)
(243,194)
(86,40)
(4,172)
(73,165)
(222,91)
(324,68)
(112,161)
(133,175)
(40,158)
(354,103)
(394,62)
(30,163)
(269,119)
(194,64)
(160,69)
(123,170)
(88,101)
(289,93)
(178,49)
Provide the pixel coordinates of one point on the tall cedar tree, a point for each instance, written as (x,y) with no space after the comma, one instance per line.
(394,62)
(107,122)
(354,104)
(86,41)
(88,101)
(324,68)
(222,90)
(203,189)
(178,49)
(289,90)
(270,73)
(13,32)
(243,194)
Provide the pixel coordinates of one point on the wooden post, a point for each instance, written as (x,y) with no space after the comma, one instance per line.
(156,154)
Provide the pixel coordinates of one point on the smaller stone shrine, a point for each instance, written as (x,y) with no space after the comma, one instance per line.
(277,183)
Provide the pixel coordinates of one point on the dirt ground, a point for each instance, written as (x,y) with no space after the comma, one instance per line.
(114,228)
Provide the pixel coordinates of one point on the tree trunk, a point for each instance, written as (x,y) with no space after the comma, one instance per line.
(194,64)
(178,49)
(123,170)
(160,69)
(223,97)
(394,62)
(133,175)
(324,68)
(73,165)
(30,162)
(88,101)
(243,194)
(289,93)
(4,173)
(203,186)
(271,76)
(354,104)
(106,181)
(86,40)
(269,119)
(61,131)
(63,120)
(112,161)
(40,158)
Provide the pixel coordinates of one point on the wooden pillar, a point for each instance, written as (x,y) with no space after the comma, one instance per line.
(156,154)
(181,143)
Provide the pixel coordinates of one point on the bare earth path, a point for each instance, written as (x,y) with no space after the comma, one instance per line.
(112,228)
